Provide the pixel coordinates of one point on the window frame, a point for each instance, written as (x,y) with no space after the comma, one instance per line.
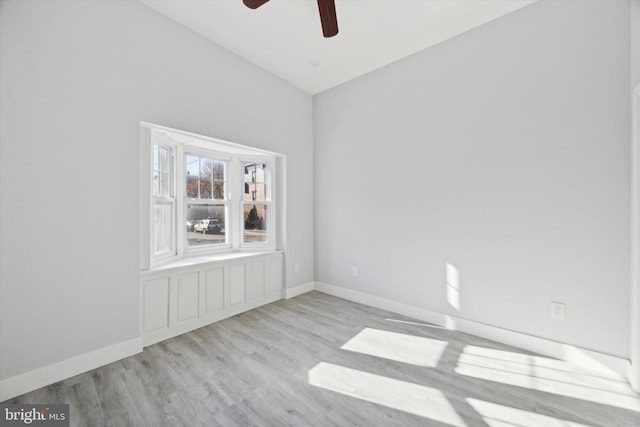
(268,200)
(233,202)
(164,201)
(226,201)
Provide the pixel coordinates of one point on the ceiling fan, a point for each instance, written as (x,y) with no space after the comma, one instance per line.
(327,10)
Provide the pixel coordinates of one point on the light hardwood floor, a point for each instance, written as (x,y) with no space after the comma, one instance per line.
(316,360)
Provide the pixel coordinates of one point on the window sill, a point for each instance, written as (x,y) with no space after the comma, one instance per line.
(196,261)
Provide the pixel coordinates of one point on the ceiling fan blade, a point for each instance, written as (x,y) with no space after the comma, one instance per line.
(254,4)
(328,17)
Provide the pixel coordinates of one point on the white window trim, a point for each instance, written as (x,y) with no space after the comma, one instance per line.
(234,191)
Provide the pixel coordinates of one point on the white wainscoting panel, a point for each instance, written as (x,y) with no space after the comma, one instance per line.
(237,284)
(255,279)
(194,292)
(188,296)
(273,275)
(155,310)
(214,289)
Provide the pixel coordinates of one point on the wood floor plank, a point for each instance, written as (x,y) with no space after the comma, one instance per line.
(317,360)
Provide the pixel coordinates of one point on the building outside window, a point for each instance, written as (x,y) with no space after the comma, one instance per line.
(256,202)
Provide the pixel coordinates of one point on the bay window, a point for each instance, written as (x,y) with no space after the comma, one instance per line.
(206,196)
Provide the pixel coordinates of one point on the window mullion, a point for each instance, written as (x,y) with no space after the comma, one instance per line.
(179,191)
(237,184)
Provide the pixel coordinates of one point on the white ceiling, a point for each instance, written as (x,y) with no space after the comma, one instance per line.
(285,36)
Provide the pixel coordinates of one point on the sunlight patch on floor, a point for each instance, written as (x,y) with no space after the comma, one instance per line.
(401,395)
(547,375)
(504,416)
(419,351)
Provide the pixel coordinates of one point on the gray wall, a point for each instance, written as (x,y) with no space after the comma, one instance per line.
(635,43)
(76,80)
(635,199)
(504,152)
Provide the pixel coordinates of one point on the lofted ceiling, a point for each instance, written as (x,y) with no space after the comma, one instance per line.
(285,36)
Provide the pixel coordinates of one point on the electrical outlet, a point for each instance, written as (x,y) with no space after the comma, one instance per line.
(296,268)
(354,271)
(558,310)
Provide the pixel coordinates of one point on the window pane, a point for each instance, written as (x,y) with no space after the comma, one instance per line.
(163,168)
(261,192)
(206,168)
(249,190)
(192,165)
(163,159)
(255,181)
(259,172)
(218,190)
(205,189)
(205,177)
(255,223)
(164,185)
(161,171)
(155,157)
(257,191)
(206,225)
(162,233)
(192,187)
(192,170)
(218,170)
(156,183)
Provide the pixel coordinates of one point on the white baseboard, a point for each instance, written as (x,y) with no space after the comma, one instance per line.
(576,355)
(298,290)
(381,303)
(41,377)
